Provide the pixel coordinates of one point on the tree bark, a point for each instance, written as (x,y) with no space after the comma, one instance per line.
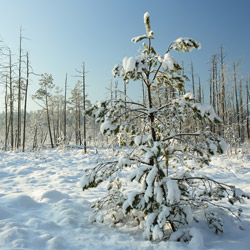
(19,113)
(11,103)
(48,119)
(236,101)
(25,101)
(84,108)
(6,115)
(222,85)
(241,114)
(192,75)
(65,112)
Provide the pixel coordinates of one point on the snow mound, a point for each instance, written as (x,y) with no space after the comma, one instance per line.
(24,170)
(54,196)
(23,202)
(36,223)
(197,241)
(4,214)
(56,243)
(20,238)
(3,174)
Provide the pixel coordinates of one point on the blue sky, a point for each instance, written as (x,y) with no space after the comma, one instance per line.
(64,33)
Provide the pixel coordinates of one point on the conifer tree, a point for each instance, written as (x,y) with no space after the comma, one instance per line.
(43,94)
(163,201)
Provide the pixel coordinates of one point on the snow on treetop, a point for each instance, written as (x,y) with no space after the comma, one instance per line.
(147,23)
(146,17)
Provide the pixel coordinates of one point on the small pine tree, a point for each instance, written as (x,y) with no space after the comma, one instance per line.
(163,201)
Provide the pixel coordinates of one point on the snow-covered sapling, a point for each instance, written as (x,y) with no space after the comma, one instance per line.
(170,136)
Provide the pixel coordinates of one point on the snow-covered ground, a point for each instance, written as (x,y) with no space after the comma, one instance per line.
(43,207)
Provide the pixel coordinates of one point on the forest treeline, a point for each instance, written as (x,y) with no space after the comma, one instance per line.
(61,118)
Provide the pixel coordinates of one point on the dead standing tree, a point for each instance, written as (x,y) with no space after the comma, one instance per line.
(65,111)
(83,76)
(8,81)
(19,88)
(25,100)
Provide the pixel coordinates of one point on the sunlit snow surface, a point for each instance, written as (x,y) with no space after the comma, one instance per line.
(43,207)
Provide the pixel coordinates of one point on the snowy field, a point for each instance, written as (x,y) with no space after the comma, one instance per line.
(43,207)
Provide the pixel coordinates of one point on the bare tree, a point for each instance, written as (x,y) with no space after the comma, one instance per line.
(214,80)
(6,114)
(241,113)
(236,99)
(222,84)
(83,76)
(75,100)
(25,100)
(65,110)
(192,76)
(11,102)
(19,108)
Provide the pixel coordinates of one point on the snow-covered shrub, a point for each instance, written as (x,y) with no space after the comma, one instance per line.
(169,133)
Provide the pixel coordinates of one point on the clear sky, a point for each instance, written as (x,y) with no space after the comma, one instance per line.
(64,33)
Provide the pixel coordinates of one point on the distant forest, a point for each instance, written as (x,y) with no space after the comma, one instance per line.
(62,117)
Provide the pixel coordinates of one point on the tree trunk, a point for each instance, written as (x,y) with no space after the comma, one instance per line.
(192,75)
(76,124)
(48,119)
(210,89)
(53,122)
(19,93)
(25,102)
(217,88)
(199,90)
(116,90)
(65,112)
(222,86)
(236,101)
(11,103)
(241,114)
(111,93)
(84,103)
(143,94)
(213,81)
(35,139)
(58,120)
(6,115)
(79,124)
(125,94)
(151,115)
